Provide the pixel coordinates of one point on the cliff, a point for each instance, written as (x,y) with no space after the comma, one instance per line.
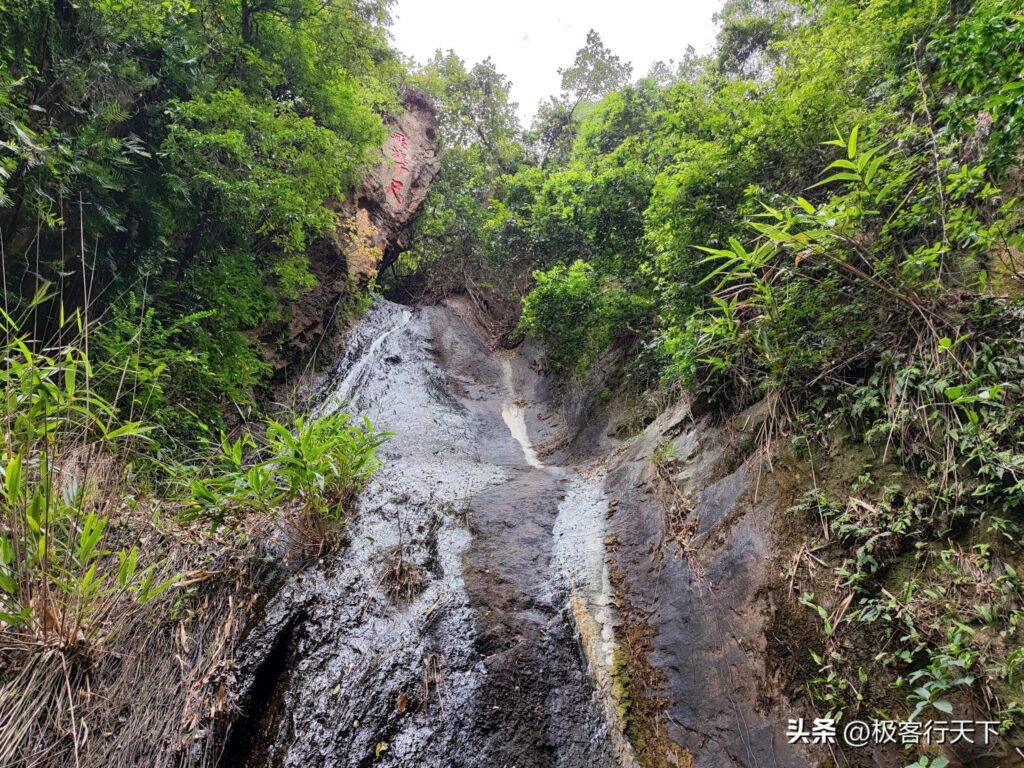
(373,228)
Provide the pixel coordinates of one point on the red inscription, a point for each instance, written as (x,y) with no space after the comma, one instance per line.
(398,155)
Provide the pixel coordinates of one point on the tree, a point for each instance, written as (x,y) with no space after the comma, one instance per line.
(595,73)
(474,104)
(750,30)
(552,133)
(689,70)
(190,151)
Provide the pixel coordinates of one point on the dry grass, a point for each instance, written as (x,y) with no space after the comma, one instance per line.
(310,536)
(152,684)
(433,675)
(402,579)
(680,525)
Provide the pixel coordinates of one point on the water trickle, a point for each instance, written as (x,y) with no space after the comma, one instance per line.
(514,415)
(480,665)
(364,359)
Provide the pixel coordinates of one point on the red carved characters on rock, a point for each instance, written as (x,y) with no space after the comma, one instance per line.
(398,155)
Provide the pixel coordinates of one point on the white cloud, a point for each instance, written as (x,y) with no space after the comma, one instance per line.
(530,39)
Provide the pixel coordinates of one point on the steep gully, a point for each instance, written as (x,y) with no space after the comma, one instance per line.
(468,622)
(496,608)
(493,607)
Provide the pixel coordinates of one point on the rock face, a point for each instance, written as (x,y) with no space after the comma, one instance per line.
(694,566)
(443,634)
(517,588)
(694,547)
(394,191)
(374,226)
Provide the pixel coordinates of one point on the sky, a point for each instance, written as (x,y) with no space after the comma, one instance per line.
(530,39)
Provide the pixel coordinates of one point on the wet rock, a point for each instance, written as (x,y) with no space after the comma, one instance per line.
(698,603)
(484,652)
(493,609)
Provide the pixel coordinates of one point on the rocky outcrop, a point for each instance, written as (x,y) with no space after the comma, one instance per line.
(393,192)
(695,544)
(443,634)
(374,224)
(695,565)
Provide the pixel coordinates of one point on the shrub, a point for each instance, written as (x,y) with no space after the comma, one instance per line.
(62,580)
(577,313)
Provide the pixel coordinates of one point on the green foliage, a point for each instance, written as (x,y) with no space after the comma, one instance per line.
(749,32)
(324,461)
(980,70)
(235,285)
(595,73)
(263,170)
(911,370)
(458,238)
(179,370)
(185,154)
(474,106)
(318,463)
(89,556)
(577,313)
(62,579)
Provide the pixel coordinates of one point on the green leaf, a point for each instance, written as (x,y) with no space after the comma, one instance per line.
(844,176)
(7,551)
(12,479)
(132,428)
(943,706)
(126,566)
(843,163)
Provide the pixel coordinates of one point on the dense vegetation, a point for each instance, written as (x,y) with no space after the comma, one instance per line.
(166,165)
(823,218)
(816,217)
(97,564)
(164,170)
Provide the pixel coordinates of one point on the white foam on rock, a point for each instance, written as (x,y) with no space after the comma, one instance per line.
(514,416)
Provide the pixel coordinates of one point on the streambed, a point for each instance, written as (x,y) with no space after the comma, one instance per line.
(468,621)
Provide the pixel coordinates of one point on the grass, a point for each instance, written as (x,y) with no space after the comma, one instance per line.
(125,577)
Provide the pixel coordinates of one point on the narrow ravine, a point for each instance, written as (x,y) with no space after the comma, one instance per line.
(467,622)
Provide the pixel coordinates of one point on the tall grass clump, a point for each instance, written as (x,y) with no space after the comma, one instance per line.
(60,580)
(70,579)
(309,467)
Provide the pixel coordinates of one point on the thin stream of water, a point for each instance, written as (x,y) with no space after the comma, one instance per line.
(466,621)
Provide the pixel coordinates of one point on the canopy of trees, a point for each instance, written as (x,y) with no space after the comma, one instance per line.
(167,164)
